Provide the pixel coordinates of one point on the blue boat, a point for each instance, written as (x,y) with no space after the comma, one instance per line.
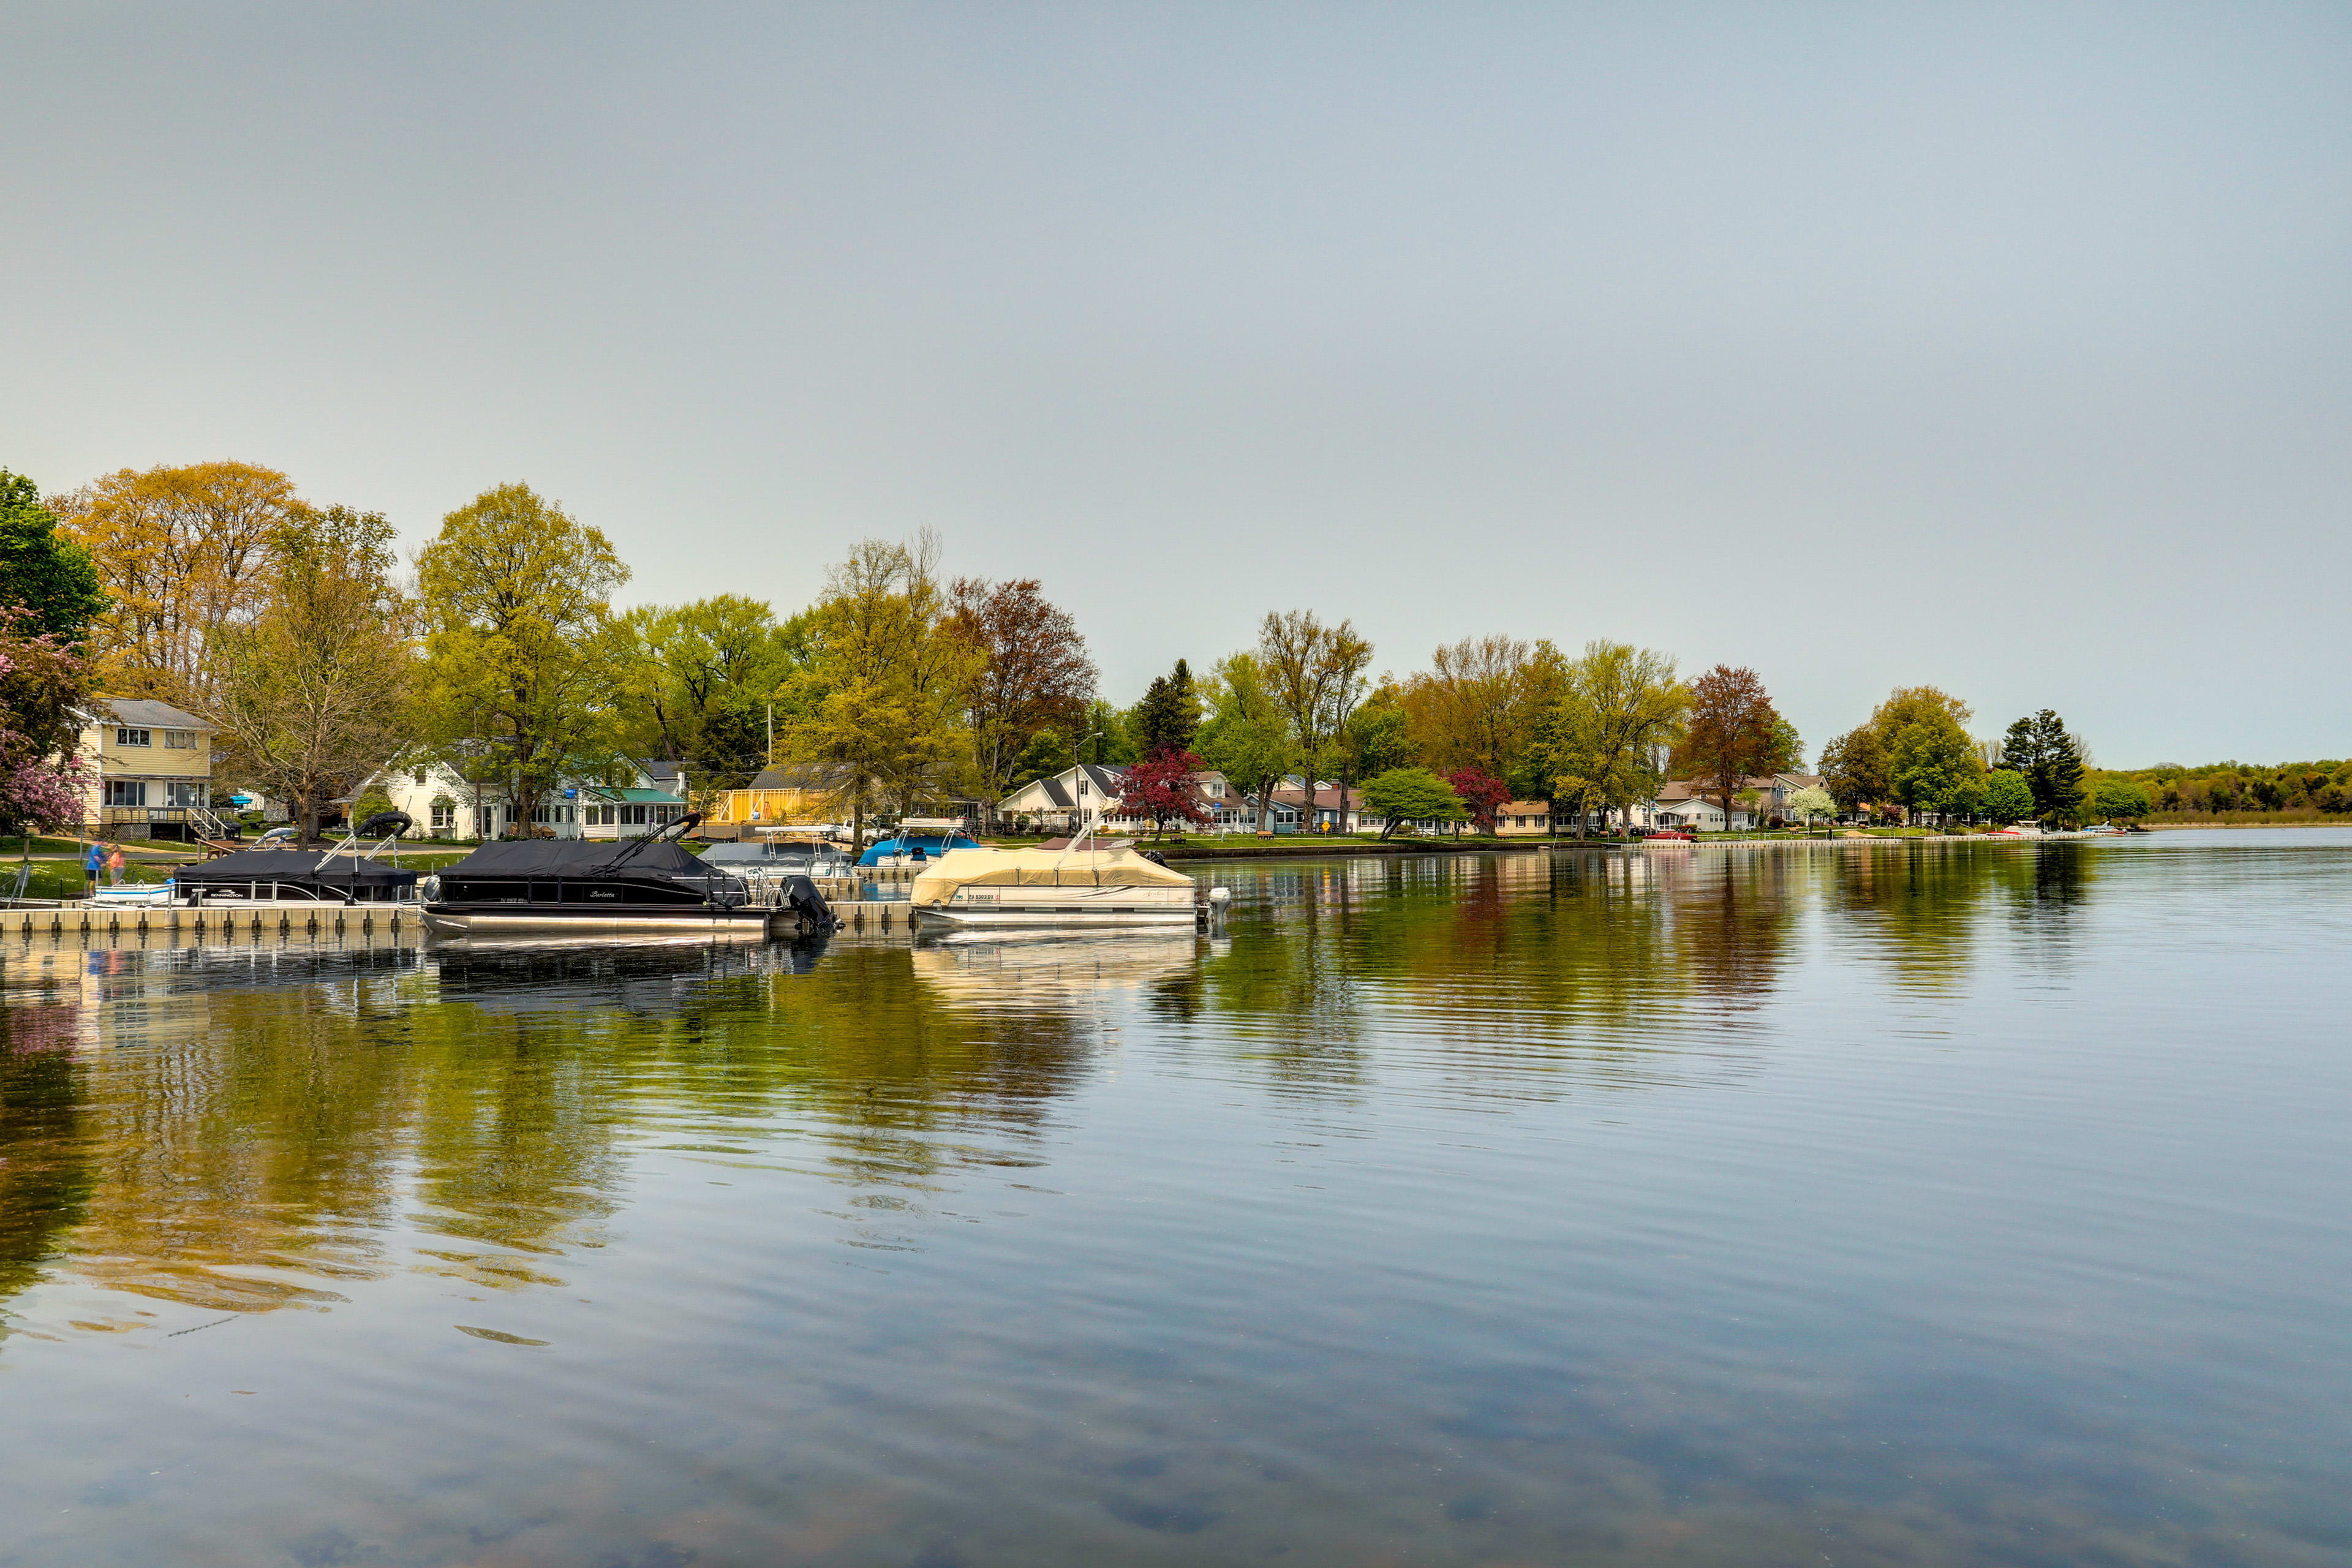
(930,846)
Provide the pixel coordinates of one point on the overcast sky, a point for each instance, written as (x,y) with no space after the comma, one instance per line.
(2005,349)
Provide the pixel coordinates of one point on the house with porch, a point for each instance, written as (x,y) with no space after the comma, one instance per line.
(149,767)
(445,804)
(1063,802)
(1685,803)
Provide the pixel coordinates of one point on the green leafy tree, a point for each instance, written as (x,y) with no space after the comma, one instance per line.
(1411,794)
(696,683)
(1047,753)
(1108,739)
(43,573)
(1170,715)
(1935,766)
(1599,744)
(2120,800)
(1247,737)
(2008,797)
(514,594)
(1378,736)
(1855,770)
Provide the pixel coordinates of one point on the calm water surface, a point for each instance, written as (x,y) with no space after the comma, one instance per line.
(1941,1204)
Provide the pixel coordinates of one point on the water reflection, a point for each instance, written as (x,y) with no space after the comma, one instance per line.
(256,1117)
(1523,1207)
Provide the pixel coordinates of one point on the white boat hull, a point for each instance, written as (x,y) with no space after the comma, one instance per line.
(1025,909)
(734,925)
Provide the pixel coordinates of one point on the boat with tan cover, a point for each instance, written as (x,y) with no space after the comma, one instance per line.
(1060,883)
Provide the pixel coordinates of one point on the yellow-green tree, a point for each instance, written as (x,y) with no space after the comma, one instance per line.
(1315,674)
(312,693)
(1603,745)
(878,708)
(1478,704)
(181,552)
(515,595)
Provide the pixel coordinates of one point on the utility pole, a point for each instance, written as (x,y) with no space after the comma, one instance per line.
(479,836)
(1078,783)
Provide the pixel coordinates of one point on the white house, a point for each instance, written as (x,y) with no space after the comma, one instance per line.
(1091,791)
(445,805)
(1684,802)
(1065,801)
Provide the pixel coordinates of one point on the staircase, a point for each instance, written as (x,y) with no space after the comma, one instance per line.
(210,831)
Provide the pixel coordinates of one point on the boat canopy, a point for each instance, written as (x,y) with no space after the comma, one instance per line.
(575,857)
(1114,866)
(292,867)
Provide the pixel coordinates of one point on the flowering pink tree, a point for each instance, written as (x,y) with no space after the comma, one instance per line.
(1160,787)
(42,677)
(1481,795)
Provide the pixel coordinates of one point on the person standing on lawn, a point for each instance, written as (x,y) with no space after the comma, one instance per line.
(91,862)
(114,867)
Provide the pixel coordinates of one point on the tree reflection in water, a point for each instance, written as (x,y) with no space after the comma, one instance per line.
(240,1128)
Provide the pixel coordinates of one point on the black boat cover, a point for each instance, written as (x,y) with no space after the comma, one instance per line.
(291,867)
(573,857)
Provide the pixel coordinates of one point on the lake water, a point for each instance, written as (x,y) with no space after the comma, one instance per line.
(1936,1204)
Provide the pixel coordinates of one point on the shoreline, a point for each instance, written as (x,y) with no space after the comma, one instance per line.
(2210,827)
(1302,848)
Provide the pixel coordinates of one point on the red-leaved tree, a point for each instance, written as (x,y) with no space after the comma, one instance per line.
(1733,733)
(1481,795)
(1160,787)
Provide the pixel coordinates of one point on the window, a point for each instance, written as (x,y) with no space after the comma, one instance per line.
(444,814)
(182,793)
(180,739)
(126,792)
(127,737)
(633,817)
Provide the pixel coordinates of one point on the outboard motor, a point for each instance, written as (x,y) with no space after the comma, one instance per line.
(811,913)
(1155,857)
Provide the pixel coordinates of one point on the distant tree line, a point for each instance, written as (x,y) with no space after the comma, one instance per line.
(292,624)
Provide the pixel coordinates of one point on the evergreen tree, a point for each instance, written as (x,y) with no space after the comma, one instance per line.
(2057,775)
(2019,750)
(1170,715)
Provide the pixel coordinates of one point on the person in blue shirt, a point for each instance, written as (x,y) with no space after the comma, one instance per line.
(92,862)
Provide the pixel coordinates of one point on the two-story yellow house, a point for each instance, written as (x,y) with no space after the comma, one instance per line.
(150,768)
